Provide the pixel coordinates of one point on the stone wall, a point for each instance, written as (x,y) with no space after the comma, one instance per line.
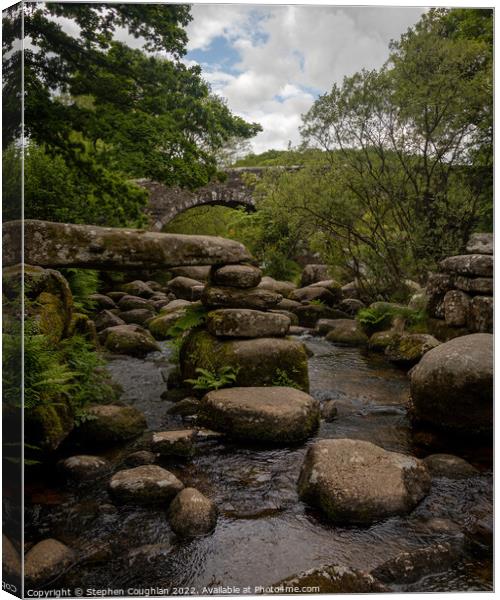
(461,293)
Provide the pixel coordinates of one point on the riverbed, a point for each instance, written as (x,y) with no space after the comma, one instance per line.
(264,532)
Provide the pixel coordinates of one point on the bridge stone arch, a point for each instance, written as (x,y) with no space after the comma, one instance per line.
(165,203)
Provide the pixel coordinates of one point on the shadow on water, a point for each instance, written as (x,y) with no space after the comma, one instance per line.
(264,532)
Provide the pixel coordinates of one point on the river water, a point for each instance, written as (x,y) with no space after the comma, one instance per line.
(264,533)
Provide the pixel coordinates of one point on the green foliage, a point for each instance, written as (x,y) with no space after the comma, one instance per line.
(83,283)
(209,380)
(192,317)
(98,112)
(381,315)
(282,379)
(71,370)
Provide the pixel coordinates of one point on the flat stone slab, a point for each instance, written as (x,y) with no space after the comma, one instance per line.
(353,481)
(89,246)
(246,323)
(229,297)
(240,276)
(279,415)
(147,484)
(475,265)
(174,443)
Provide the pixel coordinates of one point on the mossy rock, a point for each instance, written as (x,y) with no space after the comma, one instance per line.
(49,297)
(259,362)
(408,349)
(48,425)
(109,423)
(129,339)
(159,326)
(381,339)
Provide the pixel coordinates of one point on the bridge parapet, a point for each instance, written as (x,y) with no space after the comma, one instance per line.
(165,203)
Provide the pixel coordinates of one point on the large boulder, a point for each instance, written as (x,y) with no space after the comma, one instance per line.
(480,243)
(310,314)
(261,414)
(109,423)
(256,362)
(331,579)
(128,339)
(452,386)
(246,323)
(354,481)
(344,331)
(407,349)
(185,288)
(274,285)
(46,560)
(313,273)
(192,514)
(314,293)
(472,265)
(147,484)
(227,297)
(239,276)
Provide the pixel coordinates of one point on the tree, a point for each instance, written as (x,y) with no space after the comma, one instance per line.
(403,147)
(113,112)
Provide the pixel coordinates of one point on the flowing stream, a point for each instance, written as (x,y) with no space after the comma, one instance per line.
(264,533)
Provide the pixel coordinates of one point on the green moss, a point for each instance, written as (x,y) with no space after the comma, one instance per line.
(48,425)
(255,360)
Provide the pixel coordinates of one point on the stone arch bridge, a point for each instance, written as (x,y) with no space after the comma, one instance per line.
(165,203)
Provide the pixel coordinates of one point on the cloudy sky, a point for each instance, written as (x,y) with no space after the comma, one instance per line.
(271,62)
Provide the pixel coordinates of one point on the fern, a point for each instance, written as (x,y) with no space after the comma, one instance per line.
(192,317)
(209,380)
(83,283)
(282,379)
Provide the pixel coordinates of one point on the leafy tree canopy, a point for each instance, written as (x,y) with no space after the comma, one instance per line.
(110,110)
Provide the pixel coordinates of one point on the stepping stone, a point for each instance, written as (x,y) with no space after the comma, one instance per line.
(278,415)
(129,339)
(83,466)
(246,323)
(46,560)
(192,514)
(147,484)
(129,302)
(174,443)
(109,423)
(357,482)
(344,331)
(138,288)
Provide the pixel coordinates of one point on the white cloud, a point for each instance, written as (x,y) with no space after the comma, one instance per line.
(288,51)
